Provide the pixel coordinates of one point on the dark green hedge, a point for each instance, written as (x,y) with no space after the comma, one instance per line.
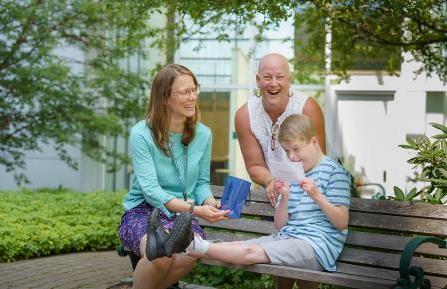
(47,222)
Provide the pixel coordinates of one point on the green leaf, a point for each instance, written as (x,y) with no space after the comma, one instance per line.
(400,196)
(412,194)
(439,126)
(407,146)
(433,180)
(442,173)
(411,142)
(440,136)
(438,195)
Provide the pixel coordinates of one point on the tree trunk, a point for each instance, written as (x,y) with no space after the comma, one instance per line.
(171,46)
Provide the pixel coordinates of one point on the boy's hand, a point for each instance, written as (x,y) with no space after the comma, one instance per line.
(282,187)
(309,186)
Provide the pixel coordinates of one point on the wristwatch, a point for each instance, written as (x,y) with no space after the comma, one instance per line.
(191,208)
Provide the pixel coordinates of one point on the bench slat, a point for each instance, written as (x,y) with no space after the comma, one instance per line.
(391,261)
(227,236)
(259,209)
(243,225)
(426,211)
(341,279)
(392,242)
(437,282)
(257,195)
(401,224)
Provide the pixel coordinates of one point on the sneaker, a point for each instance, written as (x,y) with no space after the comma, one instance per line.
(156,237)
(181,234)
(162,244)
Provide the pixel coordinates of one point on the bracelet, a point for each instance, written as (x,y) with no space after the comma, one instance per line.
(268,183)
(191,208)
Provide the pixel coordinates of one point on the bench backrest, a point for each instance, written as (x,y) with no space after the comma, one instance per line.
(379,231)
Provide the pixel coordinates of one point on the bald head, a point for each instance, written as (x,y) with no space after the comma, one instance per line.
(274,60)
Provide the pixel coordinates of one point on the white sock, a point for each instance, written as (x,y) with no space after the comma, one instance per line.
(198,245)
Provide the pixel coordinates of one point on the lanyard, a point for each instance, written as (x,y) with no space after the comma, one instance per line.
(183,181)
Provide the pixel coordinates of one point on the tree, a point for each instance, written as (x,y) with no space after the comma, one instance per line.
(379,30)
(47,96)
(50,97)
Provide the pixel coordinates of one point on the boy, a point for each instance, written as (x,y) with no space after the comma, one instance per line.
(312,216)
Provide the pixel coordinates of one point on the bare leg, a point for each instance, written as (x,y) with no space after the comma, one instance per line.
(307,284)
(149,275)
(235,253)
(161,272)
(284,283)
(181,266)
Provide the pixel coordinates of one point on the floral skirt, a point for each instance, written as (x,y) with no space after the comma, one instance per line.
(134,226)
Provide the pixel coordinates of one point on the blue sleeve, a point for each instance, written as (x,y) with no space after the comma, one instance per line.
(202,189)
(145,173)
(338,189)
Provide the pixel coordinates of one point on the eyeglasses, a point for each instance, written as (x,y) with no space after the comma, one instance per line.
(275,132)
(187,92)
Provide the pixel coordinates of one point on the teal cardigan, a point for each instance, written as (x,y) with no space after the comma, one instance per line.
(155,178)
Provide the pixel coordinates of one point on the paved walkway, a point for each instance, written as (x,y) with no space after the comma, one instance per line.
(80,270)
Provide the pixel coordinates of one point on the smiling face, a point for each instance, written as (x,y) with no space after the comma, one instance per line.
(183,98)
(273,79)
(306,152)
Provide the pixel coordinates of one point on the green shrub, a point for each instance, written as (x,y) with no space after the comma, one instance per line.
(431,157)
(225,278)
(45,222)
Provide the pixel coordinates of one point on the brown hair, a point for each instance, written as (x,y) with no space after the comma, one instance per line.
(297,127)
(158,114)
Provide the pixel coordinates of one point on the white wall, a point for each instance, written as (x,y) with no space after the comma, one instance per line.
(45,169)
(375,113)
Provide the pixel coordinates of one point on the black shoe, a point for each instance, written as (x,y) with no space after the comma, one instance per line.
(160,244)
(181,234)
(156,237)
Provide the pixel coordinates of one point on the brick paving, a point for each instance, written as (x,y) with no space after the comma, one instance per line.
(68,271)
(94,270)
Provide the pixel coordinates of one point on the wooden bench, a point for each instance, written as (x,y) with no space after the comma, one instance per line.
(379,252)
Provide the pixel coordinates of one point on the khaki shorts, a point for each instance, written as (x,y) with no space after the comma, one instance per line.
(285,250)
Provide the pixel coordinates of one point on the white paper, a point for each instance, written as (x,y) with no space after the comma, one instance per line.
(291,172)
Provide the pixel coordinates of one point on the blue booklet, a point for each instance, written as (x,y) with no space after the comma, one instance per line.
(234,195)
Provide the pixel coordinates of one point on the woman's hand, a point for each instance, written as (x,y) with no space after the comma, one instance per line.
(211,213)
(271,193)
(212,202)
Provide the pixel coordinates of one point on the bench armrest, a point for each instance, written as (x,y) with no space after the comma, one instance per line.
(404,281)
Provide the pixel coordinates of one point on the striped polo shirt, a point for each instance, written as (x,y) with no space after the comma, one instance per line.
(307,221)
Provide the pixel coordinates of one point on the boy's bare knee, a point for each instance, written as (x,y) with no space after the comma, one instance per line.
(251,255)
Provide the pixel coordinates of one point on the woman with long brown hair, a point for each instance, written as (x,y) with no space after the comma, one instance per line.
(171,153)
